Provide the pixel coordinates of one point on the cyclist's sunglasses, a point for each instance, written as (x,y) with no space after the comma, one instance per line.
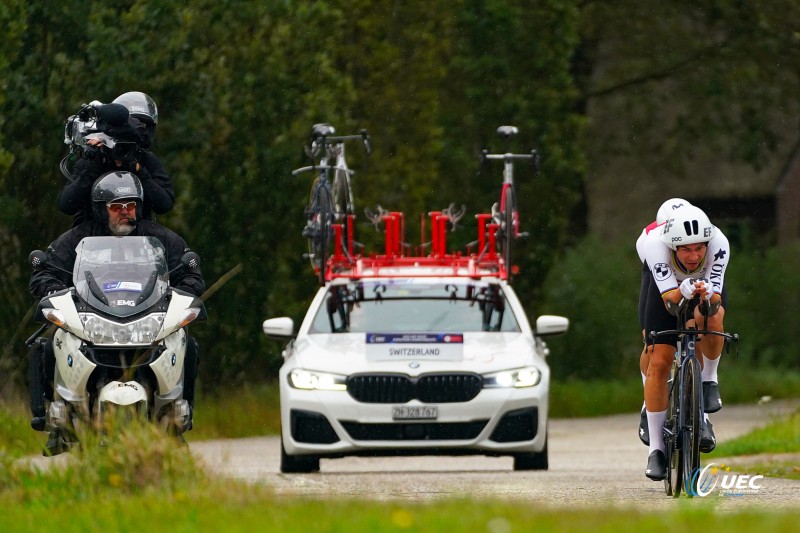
(116,207)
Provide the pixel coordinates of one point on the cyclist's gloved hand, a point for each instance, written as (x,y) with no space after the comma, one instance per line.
(687,288)
(709,288)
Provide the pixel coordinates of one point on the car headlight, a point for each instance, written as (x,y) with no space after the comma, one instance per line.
(310,380)
(519,377)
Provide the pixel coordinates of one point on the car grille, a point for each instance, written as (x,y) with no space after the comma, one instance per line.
(399,388)
(415,431)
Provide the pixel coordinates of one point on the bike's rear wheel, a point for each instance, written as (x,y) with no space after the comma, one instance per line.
(693,419)
(342,203)
(672,483)
(324,241)
(508,211)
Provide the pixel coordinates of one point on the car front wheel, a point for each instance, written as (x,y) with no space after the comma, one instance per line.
(298,464)
(532,460)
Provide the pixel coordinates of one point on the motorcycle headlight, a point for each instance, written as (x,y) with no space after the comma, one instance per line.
(101,331)
(529,376)
(310,380)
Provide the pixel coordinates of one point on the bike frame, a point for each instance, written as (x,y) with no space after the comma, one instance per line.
(323,209)
(685,408)
(507,217)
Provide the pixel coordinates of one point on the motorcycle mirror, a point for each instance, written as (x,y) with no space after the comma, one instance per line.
(37,259)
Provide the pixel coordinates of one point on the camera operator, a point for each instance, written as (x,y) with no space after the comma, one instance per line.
(131,139)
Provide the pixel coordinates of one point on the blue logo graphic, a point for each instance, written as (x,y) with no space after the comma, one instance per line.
(704,480)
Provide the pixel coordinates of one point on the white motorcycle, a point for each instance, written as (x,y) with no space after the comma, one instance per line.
(120,341)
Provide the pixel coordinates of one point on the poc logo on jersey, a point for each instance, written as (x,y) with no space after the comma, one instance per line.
(130,303)
(661,271)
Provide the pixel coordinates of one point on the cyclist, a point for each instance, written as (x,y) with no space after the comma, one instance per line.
(74,198)
(664,212)
(116,200)
(686,259)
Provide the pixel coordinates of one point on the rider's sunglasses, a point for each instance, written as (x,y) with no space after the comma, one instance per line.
(116,207)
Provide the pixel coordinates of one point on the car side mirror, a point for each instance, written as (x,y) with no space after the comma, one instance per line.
(551,325)
(281,328)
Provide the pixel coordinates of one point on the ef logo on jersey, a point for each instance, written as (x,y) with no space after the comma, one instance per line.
(661,271)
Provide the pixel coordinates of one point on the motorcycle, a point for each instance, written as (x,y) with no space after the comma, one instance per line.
(120,340)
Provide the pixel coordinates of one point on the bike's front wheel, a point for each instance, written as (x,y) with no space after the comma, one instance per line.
(692,424)
(672,483)
(508,210)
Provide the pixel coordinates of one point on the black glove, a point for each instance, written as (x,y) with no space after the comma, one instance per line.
(95,163)
(143,173)
(54,288)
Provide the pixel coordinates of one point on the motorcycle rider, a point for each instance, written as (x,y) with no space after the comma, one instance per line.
(687,258)
(74,198)
(117,198)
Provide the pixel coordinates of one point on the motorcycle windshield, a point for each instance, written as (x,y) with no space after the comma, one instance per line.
(120,276)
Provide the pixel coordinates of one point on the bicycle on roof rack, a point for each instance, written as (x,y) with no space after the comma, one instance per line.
(505,215)
(685,408)
(331,198)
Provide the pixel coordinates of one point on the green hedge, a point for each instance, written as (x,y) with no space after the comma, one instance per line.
(596,285)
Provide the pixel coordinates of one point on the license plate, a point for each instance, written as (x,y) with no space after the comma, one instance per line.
(421,412)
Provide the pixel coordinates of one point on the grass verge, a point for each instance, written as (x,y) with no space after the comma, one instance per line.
(140,478)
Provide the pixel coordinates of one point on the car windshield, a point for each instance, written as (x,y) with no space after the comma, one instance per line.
(414,305)
(120,275)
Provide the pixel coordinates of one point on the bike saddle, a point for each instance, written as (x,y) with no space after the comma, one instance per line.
(507,131)
(321,130)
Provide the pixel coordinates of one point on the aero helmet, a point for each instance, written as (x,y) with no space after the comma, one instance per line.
(112,187)
(668,207)
(688,225)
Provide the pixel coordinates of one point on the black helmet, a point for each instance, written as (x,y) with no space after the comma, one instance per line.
(139,105)
(115,186)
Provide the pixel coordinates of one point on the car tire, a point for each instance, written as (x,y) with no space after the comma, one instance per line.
(298,464)
(532,460)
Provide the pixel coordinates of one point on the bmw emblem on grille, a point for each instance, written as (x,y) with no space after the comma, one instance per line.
(413,364)
(174,359)
(69,360)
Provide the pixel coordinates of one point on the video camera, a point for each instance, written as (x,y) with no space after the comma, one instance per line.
(106,122)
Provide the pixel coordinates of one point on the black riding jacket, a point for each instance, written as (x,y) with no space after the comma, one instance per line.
(75,198)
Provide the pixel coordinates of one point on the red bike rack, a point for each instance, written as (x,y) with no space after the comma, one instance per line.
(483,262)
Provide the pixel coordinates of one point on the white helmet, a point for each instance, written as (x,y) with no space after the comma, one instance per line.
(667,208)
(688,225)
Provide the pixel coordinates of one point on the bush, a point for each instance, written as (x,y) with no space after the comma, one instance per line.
(596,285)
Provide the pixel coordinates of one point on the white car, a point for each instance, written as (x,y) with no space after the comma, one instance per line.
(410,364)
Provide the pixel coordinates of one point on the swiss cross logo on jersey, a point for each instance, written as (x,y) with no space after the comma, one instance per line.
(661,271)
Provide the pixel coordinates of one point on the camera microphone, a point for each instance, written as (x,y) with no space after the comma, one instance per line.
(112,115)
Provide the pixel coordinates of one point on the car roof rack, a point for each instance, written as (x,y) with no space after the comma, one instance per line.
(480,260)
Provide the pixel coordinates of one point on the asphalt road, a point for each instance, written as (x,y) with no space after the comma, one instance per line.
(593,462)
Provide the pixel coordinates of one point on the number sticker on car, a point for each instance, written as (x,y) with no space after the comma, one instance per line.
(415,412)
